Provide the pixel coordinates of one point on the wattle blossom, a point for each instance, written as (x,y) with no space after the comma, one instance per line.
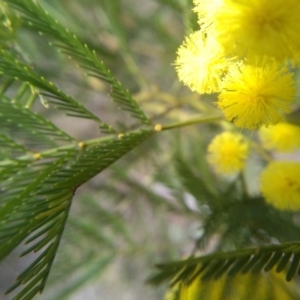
(227,153)
(241,53)
(280,184)
(283,137)
(200,63)
(248,28)
(257,94)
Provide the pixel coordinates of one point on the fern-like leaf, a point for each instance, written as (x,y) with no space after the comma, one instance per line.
(38,210)
(9,147)
(17,120)
(70,45)
(279,257)
(41,166)
(11,66)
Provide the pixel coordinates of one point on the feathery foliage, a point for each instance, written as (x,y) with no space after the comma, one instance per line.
(38,185)
(69,44)
(241,261)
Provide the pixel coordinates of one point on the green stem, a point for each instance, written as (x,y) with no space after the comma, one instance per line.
(50,152)
(30,101)
(80,145)
(6,85)
(199,120)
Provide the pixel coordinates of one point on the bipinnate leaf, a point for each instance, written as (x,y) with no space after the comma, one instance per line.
(68,43)
(37,186)
(279,257)
(37,199)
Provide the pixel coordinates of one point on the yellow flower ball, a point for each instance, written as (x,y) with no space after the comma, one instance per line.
(227,153)
(206,11)
(283,137)
(280,184)
(253,28)
(257,94)
(200,63)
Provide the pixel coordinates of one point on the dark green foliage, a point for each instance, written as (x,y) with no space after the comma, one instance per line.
(37,186)
(231,263)
(42,206)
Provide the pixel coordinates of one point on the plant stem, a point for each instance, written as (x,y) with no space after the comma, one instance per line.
(80,145)
(199,120)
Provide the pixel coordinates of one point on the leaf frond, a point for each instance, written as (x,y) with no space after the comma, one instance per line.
(19,121)
(11,66)
(279,257)
(69,44)
(10,148)
(36,201)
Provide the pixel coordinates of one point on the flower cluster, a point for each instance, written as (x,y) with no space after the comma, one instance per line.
(280,180)
(241,52)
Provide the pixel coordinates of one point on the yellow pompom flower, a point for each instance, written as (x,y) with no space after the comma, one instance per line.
(206,11)
(200,63)
(258,94)
(254,27)
(283,137)
(227,153)
(280,184)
